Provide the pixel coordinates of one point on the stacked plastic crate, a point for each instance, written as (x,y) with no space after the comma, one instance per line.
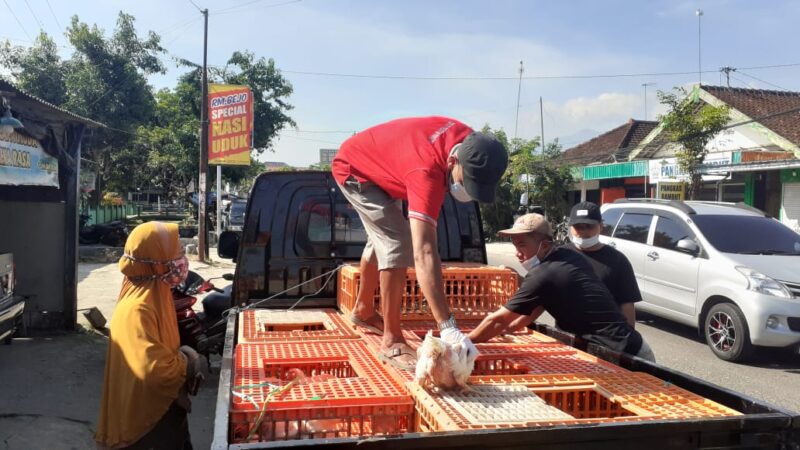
(524,379)
(304,374)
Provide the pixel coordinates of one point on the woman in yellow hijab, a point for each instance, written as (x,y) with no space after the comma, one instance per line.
(146,369)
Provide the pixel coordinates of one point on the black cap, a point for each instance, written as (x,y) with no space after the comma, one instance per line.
(484,160)
(585,212)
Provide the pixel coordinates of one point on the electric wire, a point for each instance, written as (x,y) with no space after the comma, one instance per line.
(762,81)
(35,17)
(18,21)
(242,7)
(58,22)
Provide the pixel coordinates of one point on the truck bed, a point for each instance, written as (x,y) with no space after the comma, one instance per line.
(760,426)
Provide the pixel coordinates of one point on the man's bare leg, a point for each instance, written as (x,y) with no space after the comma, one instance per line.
(392,285)
(365,299)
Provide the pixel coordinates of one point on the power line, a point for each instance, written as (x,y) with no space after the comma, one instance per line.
(774,66)
(183,29)
(54,15)
(242,7)
(17,19)
(763,81)
(195,5)
(530,77)
(36,18)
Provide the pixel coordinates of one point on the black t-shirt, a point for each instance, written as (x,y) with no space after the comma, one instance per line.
(615,271)
(566,286)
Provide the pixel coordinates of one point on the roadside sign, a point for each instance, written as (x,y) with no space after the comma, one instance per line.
(230,128)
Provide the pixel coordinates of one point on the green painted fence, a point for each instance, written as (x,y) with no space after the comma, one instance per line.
(105,214)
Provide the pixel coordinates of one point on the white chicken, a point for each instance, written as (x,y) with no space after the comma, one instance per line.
(441,365)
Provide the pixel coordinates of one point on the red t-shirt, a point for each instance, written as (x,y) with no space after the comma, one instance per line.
(407,158)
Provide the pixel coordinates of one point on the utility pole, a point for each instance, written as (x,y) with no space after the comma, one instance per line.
(699,14)
(727,71)
(644,85)
(516,127)
(541,121)
(519,91)
(202,200)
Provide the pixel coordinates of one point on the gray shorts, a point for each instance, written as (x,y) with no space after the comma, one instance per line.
(388,231)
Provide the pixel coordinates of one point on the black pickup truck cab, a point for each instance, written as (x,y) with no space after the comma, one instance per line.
(298,226)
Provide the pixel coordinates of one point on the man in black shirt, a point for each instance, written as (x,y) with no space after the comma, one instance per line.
(561,282)
(609,264)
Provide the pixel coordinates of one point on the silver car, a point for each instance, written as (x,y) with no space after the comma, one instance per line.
(727,269)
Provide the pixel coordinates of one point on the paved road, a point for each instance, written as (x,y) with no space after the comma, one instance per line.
(773,376)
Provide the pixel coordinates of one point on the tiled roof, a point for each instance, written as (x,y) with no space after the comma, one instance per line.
(611,145)
(754,103)
(757,103)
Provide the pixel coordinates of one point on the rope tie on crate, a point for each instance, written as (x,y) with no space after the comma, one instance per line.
(272,393)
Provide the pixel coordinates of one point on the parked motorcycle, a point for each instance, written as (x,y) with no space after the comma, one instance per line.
(203,331)
(113,234)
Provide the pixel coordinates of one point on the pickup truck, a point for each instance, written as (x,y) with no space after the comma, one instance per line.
(298,226)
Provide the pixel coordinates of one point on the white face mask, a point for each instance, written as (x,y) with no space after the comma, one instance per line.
(533,261)
(529,264)
(457,190)
(585,243)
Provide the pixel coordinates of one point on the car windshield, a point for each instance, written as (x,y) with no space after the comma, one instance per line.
(752,235)
(237,208)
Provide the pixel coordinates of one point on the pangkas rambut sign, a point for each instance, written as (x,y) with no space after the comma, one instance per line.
(230,128)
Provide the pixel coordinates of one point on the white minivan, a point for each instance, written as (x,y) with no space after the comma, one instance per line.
(727,269)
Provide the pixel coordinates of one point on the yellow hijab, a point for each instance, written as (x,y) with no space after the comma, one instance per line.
(144,370)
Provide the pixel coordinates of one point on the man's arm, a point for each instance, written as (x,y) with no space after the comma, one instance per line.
(494,324)
(629,311)
(429,268)
(524,321)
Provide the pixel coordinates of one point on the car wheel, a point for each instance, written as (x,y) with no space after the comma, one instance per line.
(726,332)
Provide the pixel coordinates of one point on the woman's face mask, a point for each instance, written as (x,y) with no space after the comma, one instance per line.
(178,270)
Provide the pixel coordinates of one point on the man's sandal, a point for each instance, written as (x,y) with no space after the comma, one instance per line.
(391,355)
(365,324)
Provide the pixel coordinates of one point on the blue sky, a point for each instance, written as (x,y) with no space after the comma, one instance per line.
(474,38)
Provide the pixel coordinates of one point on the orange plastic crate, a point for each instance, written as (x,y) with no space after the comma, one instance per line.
(503,406)
(265,325)
(345,392)
(660,397)
(472,291)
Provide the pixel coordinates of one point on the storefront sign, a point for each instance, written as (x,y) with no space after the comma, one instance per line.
(23,162)
(667,169)
(230,132)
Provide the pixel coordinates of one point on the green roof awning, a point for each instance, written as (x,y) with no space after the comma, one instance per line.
(617,170)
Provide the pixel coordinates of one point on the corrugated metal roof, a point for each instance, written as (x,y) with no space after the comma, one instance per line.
(65,115)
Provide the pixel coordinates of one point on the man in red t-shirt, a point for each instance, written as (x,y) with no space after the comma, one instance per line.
(418,160)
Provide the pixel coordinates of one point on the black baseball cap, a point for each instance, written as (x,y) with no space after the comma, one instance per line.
(484,160)
(585,212)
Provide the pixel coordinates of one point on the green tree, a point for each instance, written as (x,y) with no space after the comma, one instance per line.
(691,123)
(500,214)
(530,170)
(105,79)
(38,70)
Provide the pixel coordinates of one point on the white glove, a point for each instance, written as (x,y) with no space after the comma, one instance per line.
(454,336)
